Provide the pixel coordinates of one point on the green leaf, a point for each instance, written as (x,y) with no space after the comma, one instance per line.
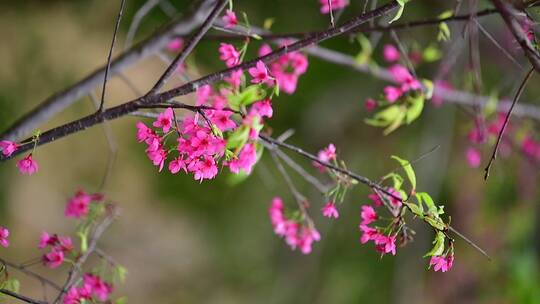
(396,179)
(400,11)
(416,105)
(120,274)
(428,88)
(121,300)
(83,236)
(416,209)
(396,123)
(432,53)
(438,245)
(238,138)
(491,106)
(425,198)
(384,117)
(366,49)
(406,165)
(248,96)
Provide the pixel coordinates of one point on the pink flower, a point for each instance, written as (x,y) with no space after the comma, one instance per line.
(330,211)
(374,197)
(402,75)
(78,205)
(53,259)
(157,157)
(46,240)
(368,215)
(530,147)
(264,50)
(27,165)
(235,79)
(203,94)
(369,233)
(370,104)
(229,54)
(245,161)
(4,234)
(476,136)
(385,244)
(441,263)
(328,153)
(64,244)
(8,147)
(222,119)
(203,169)
(336,4)
(72,296)
(99,288)
(176,165)
(390,53)
(473,157)
(164,120)
(306,238)
(262,108)
(259,73)
(175,44)
(230,19)
(392,93)
(144,134)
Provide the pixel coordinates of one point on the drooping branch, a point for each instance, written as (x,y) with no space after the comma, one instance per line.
(21,297)
(131,106)
(506,120)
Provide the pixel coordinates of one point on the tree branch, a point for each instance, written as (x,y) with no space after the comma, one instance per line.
(131,106)
(21,297)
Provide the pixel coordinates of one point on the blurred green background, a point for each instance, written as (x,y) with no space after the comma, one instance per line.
(186,242)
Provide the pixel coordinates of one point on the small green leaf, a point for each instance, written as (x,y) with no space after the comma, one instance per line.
(416,105)
(120,274)
(491,106)
(438,245)
(428,88)
(385,117)
(406,165)
(400,11)
(432,53)
(248,96)
(238,138)
(366,50)
(396,123)
(121,300)
(415,209)
(425,198)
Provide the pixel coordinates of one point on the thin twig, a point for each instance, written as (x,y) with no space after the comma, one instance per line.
(190,45)
(21,297)
(506,119)
(30,273)
(109,57)
(136,21)
(332,23)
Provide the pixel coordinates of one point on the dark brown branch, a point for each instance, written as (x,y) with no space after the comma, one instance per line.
(109,57)
(131,106)
(190,45)
(30,273)
(506,119)
(59,101)
(509,14)
(21,297)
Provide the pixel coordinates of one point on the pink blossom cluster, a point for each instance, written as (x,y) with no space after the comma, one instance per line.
(442,263)
(4,234)
(405,80)
(288,68)
(92,288)
(385,242)
(8,147)
(296,234)
(60,246)
(79,205)
(335,5)
(175,45)
(326,155)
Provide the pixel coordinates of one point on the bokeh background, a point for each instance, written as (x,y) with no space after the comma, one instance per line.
(212,242)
